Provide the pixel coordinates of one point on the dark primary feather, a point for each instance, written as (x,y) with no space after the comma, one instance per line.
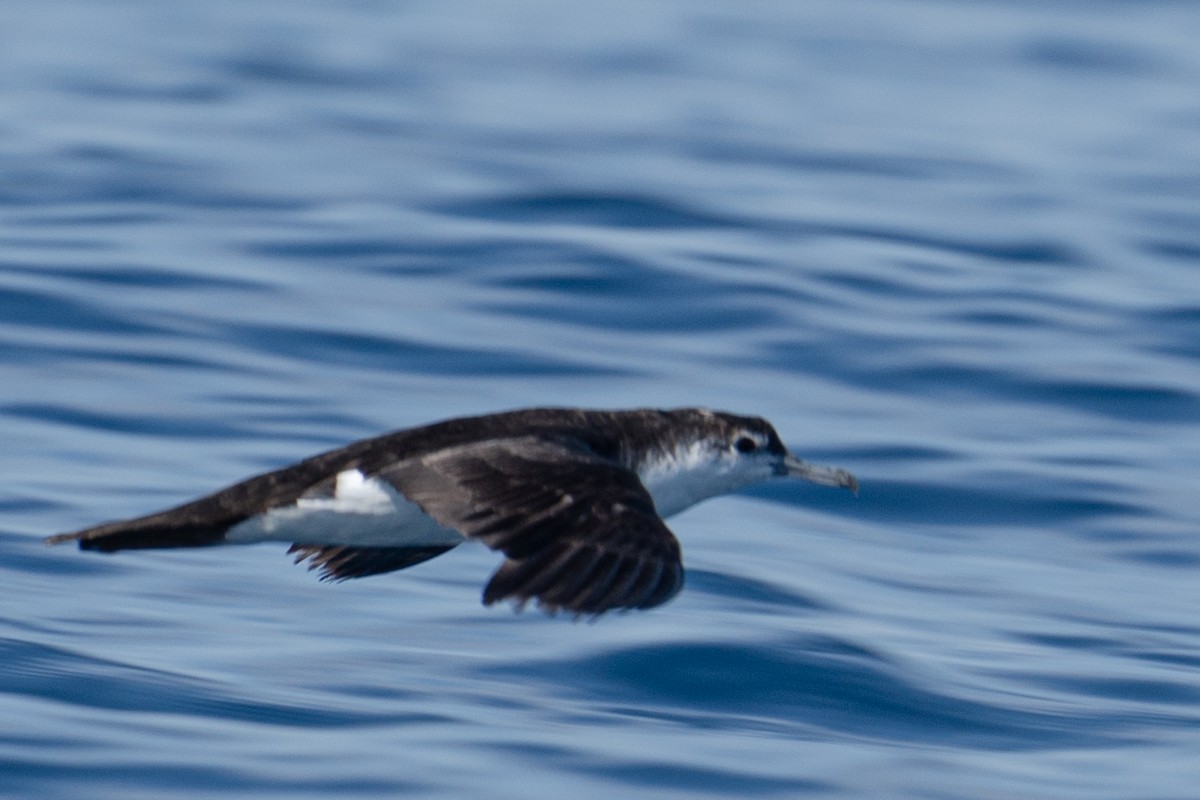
(339,562)
(580,531)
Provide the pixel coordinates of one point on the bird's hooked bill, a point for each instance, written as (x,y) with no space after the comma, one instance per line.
(818,473)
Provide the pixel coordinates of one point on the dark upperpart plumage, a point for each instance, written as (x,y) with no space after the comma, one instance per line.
(557,490)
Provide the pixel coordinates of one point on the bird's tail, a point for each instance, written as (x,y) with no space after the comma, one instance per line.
(145,533)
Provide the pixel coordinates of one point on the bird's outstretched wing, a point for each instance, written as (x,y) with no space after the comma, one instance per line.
(580,531)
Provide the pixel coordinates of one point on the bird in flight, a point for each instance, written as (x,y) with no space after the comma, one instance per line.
(573,498)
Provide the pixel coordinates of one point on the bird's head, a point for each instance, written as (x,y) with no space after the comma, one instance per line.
(722,453)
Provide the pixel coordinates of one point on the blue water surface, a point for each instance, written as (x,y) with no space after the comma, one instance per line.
(951,246)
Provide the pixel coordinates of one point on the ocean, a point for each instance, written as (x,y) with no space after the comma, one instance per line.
(949,246)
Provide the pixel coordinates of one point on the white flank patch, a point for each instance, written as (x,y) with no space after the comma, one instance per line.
(354,494)
(363,511)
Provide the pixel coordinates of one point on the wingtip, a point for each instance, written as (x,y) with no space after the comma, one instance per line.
(645,585)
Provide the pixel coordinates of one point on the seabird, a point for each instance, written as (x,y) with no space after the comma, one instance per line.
(573,498)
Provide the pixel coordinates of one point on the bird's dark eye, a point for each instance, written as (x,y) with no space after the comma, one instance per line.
(746,445)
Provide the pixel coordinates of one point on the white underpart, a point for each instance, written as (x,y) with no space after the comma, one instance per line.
(363,511)
(678,480)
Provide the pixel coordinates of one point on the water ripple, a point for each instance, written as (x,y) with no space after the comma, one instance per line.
(605,210)
(54,673)
(813,683)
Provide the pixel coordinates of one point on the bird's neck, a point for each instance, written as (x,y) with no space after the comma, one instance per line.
(681,477)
